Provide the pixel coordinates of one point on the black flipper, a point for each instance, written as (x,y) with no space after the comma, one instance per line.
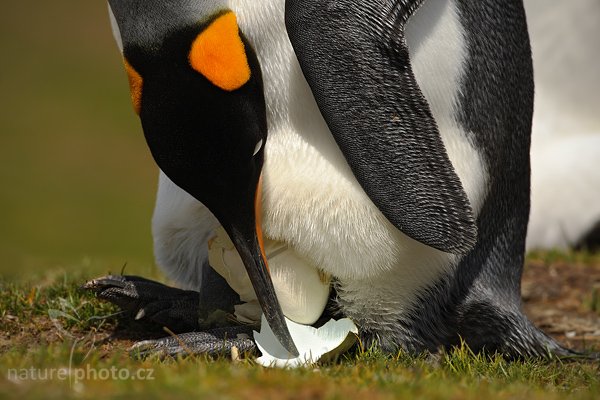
(355,58)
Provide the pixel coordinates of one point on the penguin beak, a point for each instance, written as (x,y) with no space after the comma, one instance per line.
(248,240)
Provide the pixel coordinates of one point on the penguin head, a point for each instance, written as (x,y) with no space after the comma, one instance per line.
(196,85)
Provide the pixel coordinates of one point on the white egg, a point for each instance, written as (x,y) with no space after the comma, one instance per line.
(301,289)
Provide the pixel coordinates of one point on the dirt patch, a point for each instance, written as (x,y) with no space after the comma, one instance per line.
(32,331)
(563,299)
(27,332)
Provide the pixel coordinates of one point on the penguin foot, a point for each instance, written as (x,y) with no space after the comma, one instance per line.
(215,342)
(208,330)
(146,300)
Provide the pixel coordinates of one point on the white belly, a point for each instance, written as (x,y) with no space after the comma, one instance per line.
(312,200)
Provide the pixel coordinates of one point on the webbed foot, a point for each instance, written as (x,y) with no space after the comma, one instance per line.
(208,328)
(146,300)
(214,342)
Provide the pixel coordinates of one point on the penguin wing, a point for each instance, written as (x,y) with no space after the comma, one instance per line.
(356,61)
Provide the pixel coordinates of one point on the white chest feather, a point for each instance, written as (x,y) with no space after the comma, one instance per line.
(312,200)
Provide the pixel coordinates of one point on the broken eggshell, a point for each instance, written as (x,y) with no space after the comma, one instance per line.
(313,344)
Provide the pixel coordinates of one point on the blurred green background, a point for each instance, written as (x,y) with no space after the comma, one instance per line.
(77,181)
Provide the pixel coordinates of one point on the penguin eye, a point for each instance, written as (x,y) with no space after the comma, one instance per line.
(257,147)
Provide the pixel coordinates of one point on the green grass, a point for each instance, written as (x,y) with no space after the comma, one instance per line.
(561,256)
(52,325)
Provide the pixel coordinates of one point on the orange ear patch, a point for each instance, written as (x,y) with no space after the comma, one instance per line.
(135,86)
(218,53)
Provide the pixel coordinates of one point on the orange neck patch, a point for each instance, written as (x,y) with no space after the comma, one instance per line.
(135,86)
(218,53)
(258,214)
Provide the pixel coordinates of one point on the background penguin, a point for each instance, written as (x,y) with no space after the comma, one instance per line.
(565,148)
(397,162)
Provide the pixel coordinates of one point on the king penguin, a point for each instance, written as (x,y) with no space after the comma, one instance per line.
(385,142)
(565,147)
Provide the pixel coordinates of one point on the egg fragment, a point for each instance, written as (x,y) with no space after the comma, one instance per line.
(302,290)
(313,344)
